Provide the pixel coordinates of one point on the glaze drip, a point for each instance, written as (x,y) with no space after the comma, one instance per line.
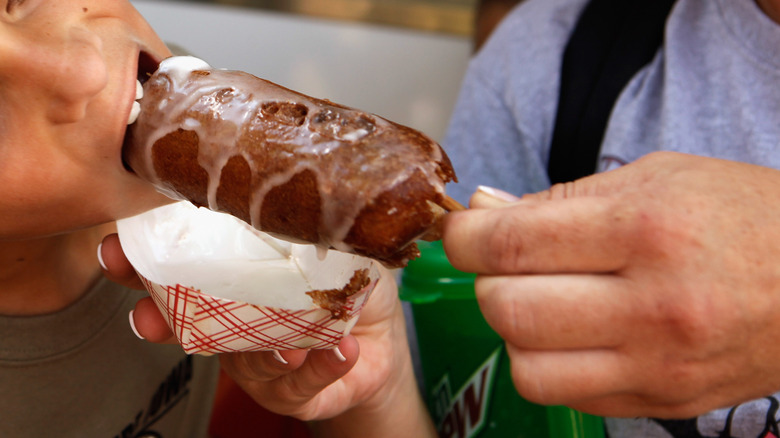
(292,147)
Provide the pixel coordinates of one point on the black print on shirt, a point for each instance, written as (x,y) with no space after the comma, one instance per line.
(742,415)
(170,392)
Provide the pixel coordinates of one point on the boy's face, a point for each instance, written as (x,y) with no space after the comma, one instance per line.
(68,71)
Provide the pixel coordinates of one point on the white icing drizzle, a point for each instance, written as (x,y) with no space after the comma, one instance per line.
(224,107)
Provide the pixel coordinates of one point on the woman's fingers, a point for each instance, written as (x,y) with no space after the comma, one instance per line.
(115,265)
(292,382)
(145,320)
(149,323)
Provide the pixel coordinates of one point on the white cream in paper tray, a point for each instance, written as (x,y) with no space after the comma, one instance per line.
(223,286)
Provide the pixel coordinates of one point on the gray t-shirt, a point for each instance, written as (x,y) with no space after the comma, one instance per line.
(82,373)
(713,89)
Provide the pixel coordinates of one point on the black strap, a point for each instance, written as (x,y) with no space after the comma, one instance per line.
(612,41)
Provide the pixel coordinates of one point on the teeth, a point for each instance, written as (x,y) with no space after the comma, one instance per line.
(136,109)
(134,113)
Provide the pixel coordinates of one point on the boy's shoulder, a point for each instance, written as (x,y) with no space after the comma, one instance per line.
(530,39)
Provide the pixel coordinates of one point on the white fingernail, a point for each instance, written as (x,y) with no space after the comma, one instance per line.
(338,354)
(497,194)
(100,257)
(279,357)
(132,325)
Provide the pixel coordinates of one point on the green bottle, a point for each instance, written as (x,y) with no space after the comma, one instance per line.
(465,369)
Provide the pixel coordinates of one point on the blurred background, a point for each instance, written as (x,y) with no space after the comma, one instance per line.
(452,16)
(400,59)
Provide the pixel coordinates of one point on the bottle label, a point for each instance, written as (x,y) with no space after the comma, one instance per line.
(463,415)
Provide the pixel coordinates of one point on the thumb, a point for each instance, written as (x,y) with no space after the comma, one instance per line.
(489,197)
(599,184)
(650,169)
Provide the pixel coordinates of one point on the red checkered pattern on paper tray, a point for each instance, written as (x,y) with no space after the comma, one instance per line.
(205,324)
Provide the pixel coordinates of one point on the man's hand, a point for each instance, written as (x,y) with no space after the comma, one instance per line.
(651,290)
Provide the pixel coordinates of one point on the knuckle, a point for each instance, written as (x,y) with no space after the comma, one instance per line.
(505,245)
(696,326)
(696,322)
(496,298)
(532,378)
(530,386)
(655,235)
(289,396)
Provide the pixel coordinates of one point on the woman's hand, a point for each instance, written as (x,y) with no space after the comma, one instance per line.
(367,384)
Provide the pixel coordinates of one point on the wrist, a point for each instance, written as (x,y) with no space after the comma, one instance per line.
(395,409)
(397,415)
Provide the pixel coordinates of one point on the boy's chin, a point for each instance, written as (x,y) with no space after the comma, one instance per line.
(152,200)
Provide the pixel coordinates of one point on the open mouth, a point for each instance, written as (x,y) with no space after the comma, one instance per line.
(147,65)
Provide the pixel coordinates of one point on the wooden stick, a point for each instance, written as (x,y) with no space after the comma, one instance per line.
(450,204)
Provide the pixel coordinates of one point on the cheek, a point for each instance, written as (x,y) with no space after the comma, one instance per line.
(50,187)
(57,74)
(41,199)
(42,167)
(72,74)
(33,200)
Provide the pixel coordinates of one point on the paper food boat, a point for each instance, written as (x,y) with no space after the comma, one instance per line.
(224,287)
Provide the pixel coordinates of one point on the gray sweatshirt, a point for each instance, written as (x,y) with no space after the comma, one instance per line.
(713,89)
